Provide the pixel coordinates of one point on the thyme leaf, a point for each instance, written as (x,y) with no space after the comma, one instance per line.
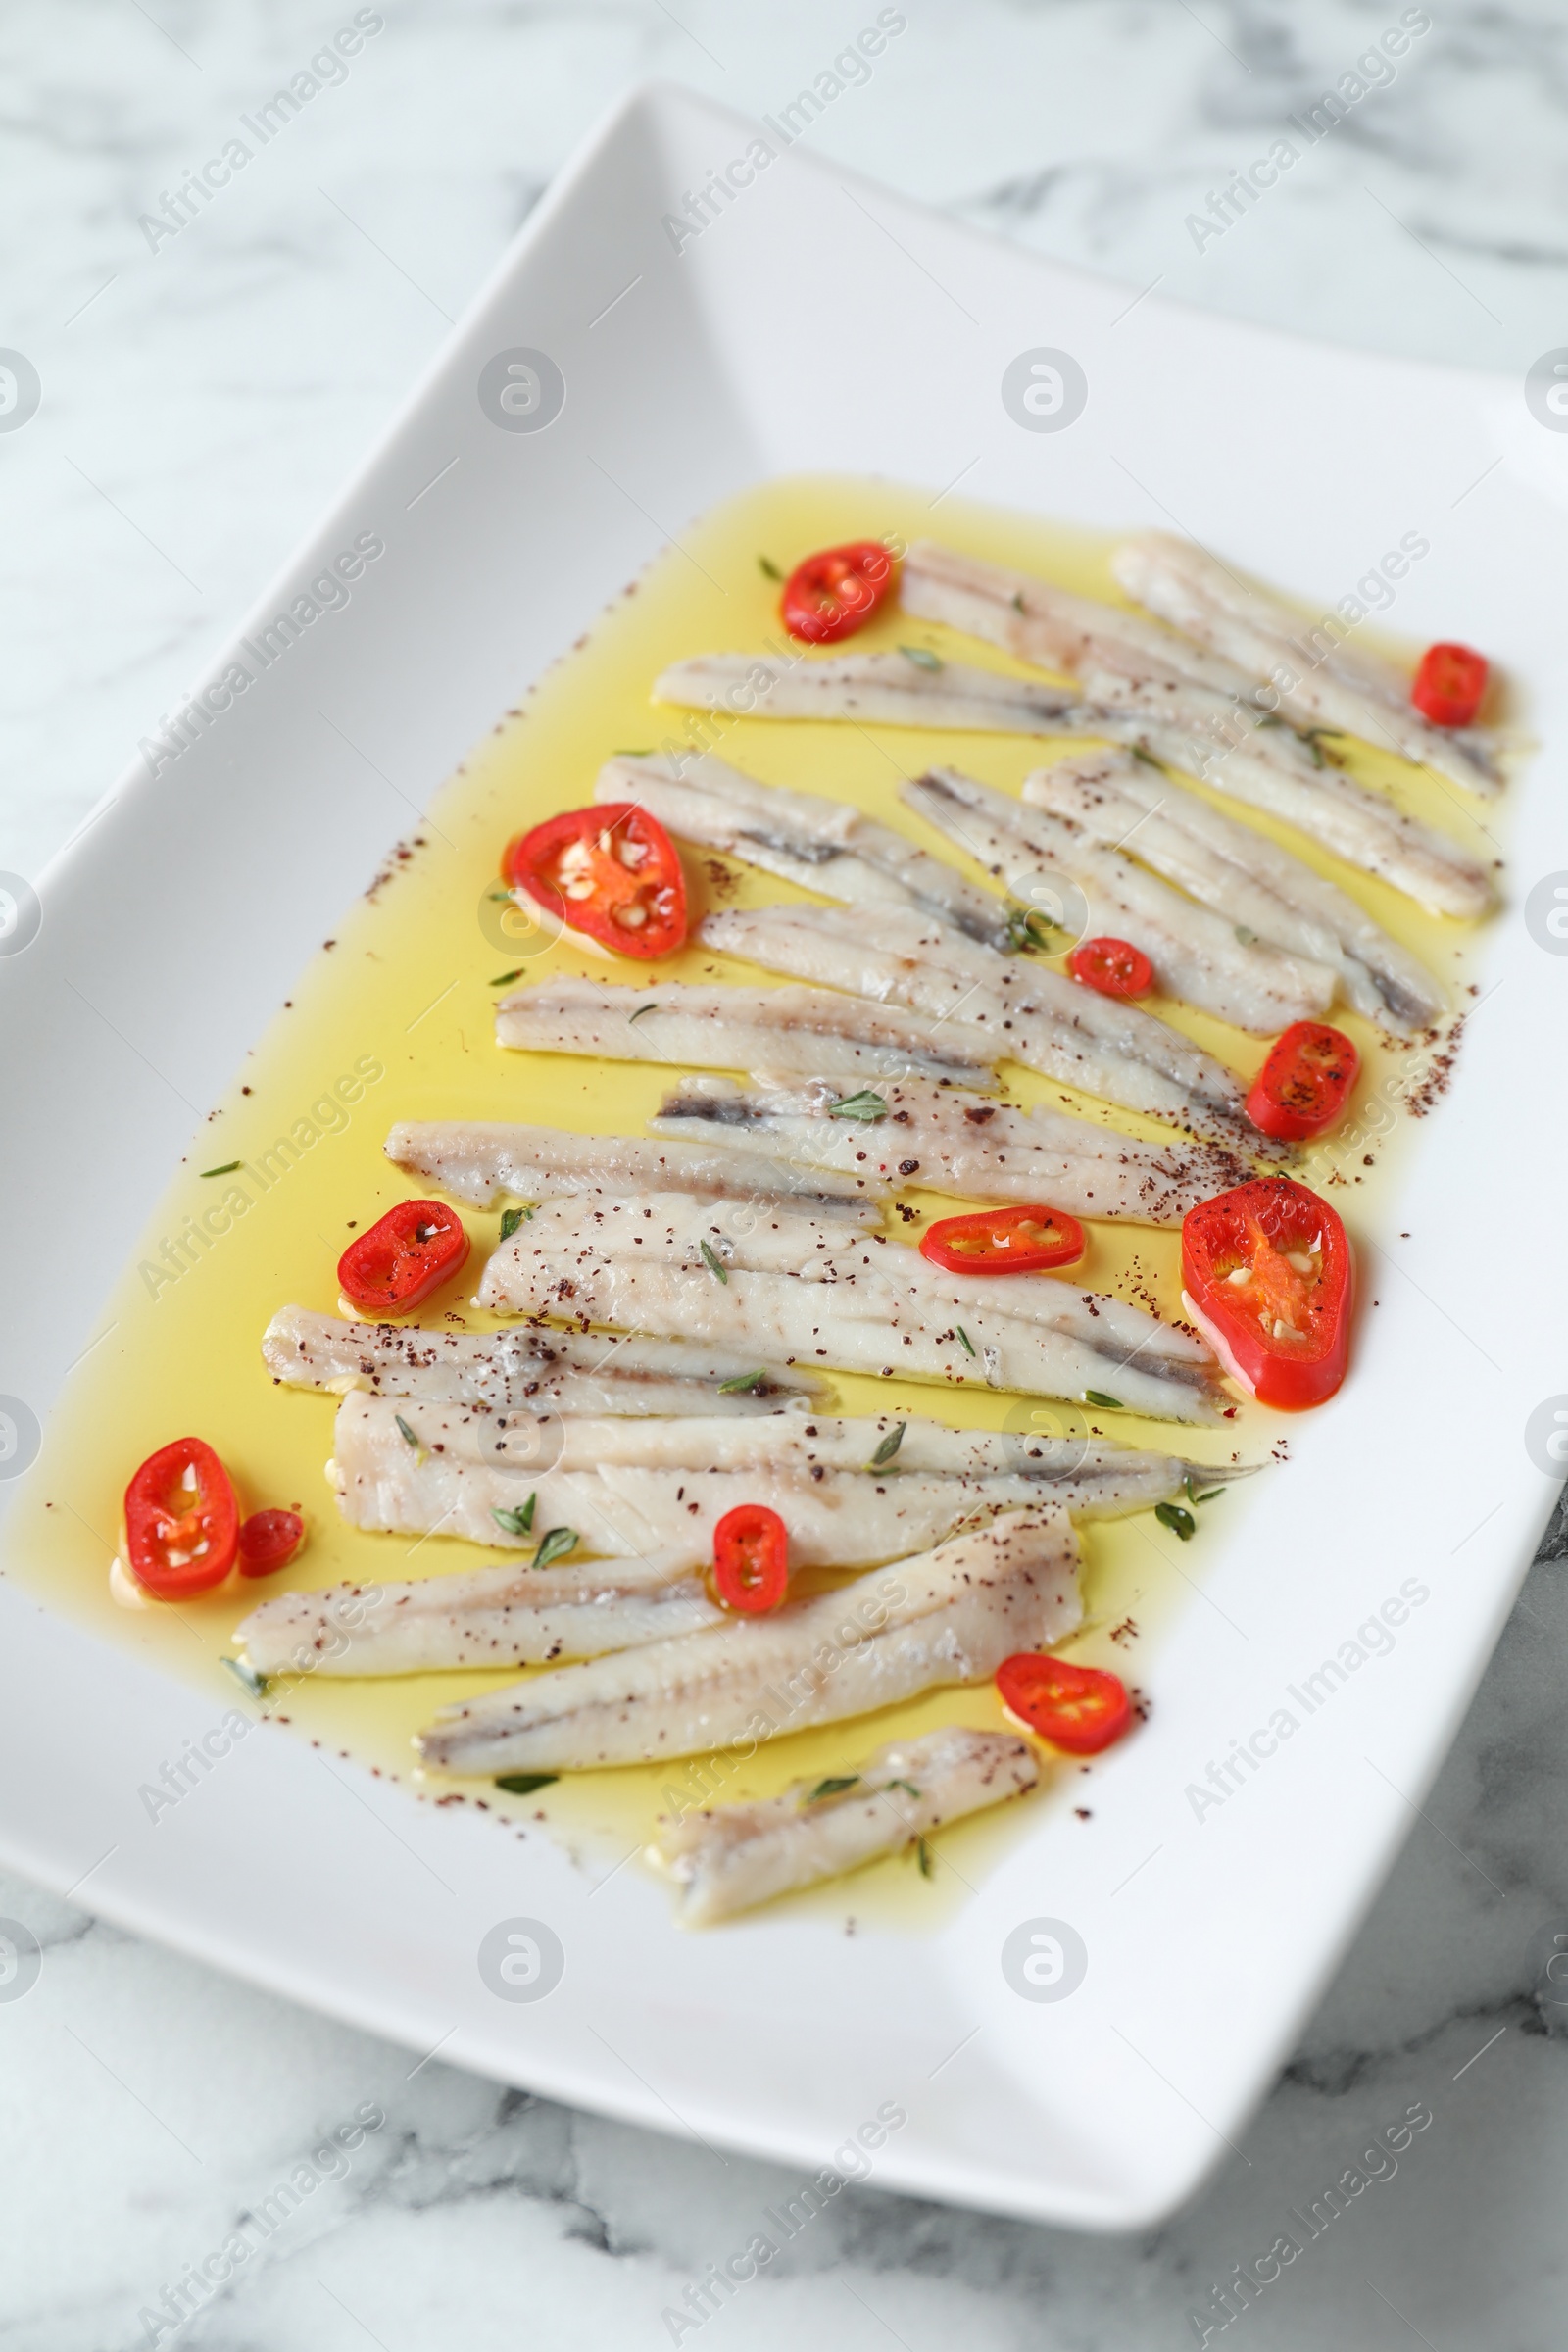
(863,1105)
(1111,1404)
(227,1169)
(833,1788)
(713,1262)
(743,1385)
(556,1546)
(889,1445)
(523,1783)
(1181,1523)
(964,1340)
(921,656)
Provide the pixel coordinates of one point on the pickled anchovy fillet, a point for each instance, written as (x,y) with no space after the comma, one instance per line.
(949,1615)
(1011,1006)
(1336,687)
(1243,875)
(1197,955)
(540,1370)
(729,1858)
(480,1161)
(957,1143)
(508,1616)
(825,845)
(807,1032)
(1176,721)
(790,1286)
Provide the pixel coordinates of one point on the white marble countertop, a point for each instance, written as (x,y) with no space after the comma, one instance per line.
(202,395)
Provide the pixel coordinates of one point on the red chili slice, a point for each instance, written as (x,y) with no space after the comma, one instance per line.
(751,1559)
(269,1540)
(1306,1083)
(834,593)
(1003,1240)
(1114,967)
(182,1521)
(612,871)
(1268,1278)
(1075,1707)
(1449,685)
(405,1255)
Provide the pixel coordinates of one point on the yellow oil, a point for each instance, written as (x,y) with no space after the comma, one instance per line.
(393,1020)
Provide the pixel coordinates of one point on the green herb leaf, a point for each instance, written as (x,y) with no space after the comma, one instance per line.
(516,1517)
(499,898)
(1247,939)
(921,656)
(889,1445)
(410,1437)
(743,1385)
(922,1854)
(1181,1523)
(643,752)
(1192,1495)
(834,1787)
(908,1785)
(769,571)
(1148,757)
(227,1169)
(253,1685)
(503,979)
(1017,600)
(863,1105)
(1111,1404)
(523,1783)
(511,1219)
(964,1339)
(556,1546)
(713,1262)
(638,1014)
(1028,928)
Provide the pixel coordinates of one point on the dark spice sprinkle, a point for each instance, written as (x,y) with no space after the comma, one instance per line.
(523,1783)
(227,1168)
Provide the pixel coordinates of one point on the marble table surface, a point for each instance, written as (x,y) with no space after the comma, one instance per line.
(203,396)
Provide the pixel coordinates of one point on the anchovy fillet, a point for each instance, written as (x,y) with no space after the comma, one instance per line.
(1232,750)
(791,1286)
(1012,1007)
(508,1616)
(729,1858)
(1241,874)
(1051,628)
(480,1161)
(804,1032)
(538,1371)
(956,1143)
(949,1615)
(1352,692)
(822,844)
(1195,953)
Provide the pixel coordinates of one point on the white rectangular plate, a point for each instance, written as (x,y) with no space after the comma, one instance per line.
(812,326)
